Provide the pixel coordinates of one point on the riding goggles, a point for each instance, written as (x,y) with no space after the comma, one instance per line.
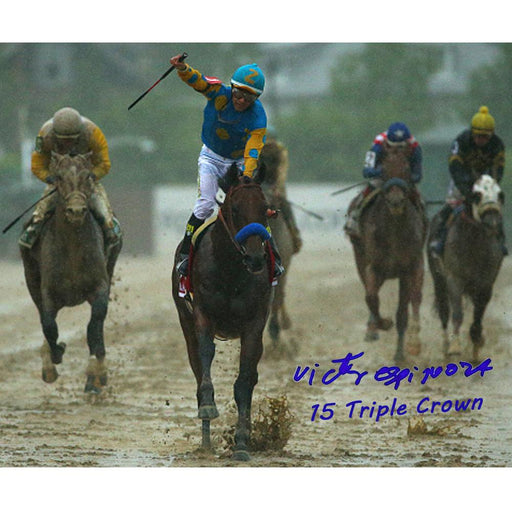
(241,94)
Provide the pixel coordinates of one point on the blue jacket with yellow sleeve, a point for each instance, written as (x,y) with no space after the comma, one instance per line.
(225,131)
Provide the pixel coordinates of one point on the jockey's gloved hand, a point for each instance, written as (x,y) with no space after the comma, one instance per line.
(50,180)
(375,172)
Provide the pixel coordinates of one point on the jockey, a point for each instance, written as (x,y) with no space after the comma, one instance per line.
(234,128)
(67,132)
(275,156)
(475,151)
(397,136)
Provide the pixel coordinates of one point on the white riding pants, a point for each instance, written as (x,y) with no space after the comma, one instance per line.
(211,167)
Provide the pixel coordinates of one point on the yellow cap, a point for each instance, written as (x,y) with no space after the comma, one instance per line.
(482,122)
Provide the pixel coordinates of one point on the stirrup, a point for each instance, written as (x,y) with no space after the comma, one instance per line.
(278,269)
(182,265)
(436,248)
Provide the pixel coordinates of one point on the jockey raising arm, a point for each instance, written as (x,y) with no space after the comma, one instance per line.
(231,128)
(233,131)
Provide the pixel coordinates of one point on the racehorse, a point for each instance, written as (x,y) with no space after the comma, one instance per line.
(470,263)
(279,317)
(231,273)
(275,159)
(67,266)
(393,232)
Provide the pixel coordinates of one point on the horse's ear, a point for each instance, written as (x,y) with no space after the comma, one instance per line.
(259,173)
(230,178)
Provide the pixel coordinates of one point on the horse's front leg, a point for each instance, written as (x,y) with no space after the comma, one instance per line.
(373,284)
(402,315)
(480,301)
(51,351)
(96,372)
(413,344)
(202,359)
(455,296)
(251,350)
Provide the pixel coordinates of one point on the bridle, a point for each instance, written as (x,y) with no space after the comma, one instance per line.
(229,224)
(230,229)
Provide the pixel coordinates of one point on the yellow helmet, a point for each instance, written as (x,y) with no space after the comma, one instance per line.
(482,122)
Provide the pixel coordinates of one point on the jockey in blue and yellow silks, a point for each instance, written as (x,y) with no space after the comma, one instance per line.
(227,131)
(233,131)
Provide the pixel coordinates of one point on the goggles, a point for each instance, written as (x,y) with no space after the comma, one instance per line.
(245,95)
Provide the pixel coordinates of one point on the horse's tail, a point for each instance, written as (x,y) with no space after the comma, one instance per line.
(441,302)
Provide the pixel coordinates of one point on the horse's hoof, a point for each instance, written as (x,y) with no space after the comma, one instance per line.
(57,354)
(399,357)
(413,348)
(385,324)
(208,412)
(371,336)
(50,375)
(91,387)
(241,455)
(103,380)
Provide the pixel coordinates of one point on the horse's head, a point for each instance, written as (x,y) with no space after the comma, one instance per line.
(396,194)
(246,213)
(396,172)
(487,200)
(74,182)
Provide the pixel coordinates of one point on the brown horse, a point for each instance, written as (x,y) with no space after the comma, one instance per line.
(393,232)
(275,159)
(67,266)
(470,263)
(232,292)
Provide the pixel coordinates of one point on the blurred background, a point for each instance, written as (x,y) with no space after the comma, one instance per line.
(325,101)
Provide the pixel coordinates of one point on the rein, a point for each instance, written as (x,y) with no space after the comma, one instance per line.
(237,245)
(239,248)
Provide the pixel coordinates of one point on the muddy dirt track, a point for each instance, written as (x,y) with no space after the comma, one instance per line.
(147,415)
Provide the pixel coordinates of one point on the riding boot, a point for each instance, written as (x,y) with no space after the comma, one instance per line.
(102,212)
(31,233)
(112,232)
(353,215)
(436,246)
(278,267)
(182,263)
